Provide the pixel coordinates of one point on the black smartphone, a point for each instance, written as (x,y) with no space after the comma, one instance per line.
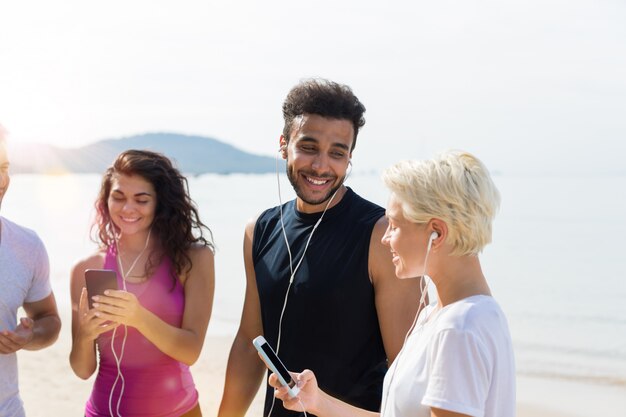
(98,280)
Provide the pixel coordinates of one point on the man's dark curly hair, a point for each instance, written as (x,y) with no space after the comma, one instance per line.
(176,222)
(325,98)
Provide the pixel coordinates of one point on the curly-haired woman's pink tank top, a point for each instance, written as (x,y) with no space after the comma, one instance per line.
(155,383)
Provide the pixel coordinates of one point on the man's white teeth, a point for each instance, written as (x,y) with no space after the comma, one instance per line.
(316,182)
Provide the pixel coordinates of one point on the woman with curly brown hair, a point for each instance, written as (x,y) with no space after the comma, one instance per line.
(150,330)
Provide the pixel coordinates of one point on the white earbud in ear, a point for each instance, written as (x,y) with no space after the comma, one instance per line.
(433,236)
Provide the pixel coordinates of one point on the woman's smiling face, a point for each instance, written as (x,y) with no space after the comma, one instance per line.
(407,240)
(132,203)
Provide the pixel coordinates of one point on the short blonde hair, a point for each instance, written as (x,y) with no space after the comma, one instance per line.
(454,187)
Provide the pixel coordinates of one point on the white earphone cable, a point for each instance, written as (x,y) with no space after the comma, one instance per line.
(118,359)
(424,281)
(293,270)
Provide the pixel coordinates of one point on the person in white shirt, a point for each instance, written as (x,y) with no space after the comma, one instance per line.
(25,283)
(457,359)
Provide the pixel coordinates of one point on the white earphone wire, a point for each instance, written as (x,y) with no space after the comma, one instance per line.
(293,270)
(118,359)
(424,282)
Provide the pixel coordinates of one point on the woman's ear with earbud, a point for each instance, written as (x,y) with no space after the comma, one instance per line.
(439,230)
(433,236)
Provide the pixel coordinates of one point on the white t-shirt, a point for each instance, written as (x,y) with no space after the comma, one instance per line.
(458,358)
(24,278)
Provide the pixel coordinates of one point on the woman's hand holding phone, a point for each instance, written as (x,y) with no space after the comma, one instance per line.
(107,302)
(98,281)
(90,326)
(309,394)
(121,307)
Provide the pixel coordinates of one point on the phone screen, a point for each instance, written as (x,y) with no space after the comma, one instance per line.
(98,280)
(267,349)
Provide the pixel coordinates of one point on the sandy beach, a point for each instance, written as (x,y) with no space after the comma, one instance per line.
(49,388)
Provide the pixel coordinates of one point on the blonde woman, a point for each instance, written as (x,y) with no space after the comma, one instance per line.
(457,360)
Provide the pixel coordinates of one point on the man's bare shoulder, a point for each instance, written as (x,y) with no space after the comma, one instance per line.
(379,229)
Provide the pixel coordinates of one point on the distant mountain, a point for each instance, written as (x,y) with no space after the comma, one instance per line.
(191,154)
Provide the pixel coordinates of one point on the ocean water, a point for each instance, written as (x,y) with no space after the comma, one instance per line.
(556,266)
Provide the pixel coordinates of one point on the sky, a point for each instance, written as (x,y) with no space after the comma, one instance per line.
(529,86)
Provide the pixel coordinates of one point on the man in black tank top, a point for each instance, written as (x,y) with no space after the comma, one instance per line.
(346,313)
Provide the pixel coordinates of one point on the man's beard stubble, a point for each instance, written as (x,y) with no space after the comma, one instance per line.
(293,179)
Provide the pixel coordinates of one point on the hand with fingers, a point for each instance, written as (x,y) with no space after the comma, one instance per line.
(119,306)
(12,341)
(90,326)
(308,397)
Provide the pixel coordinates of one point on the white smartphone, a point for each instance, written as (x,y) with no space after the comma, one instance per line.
(275,365)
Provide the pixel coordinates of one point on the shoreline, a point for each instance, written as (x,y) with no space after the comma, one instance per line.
(568,398)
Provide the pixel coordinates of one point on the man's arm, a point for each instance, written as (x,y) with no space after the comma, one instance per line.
(396,299)
(36,331)
(245,369)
